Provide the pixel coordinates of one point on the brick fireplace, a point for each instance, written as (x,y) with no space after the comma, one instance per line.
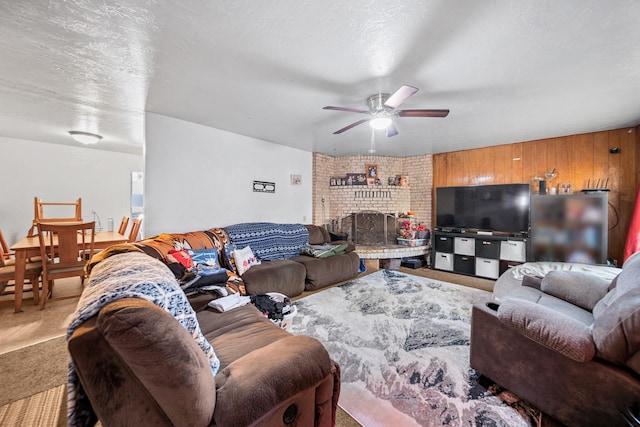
(333,205)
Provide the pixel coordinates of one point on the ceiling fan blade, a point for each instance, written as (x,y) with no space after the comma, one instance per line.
(351,110)
(423,113)
(352,125)
(391,131)
(400,96)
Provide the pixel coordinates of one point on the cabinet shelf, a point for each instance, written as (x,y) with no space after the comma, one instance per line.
(479,255)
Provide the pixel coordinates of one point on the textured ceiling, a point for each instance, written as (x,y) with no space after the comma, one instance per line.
(508,71)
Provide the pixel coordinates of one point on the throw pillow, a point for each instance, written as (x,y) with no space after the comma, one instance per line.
(205,256)
(183,257)
(230,263)
(244,259)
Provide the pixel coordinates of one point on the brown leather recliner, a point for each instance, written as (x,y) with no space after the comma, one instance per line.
(139,366)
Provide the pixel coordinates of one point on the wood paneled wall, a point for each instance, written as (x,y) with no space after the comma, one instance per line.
(578,159)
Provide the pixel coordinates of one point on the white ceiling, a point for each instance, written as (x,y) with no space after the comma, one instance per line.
(509,71)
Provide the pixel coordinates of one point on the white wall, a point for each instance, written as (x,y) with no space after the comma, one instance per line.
(197,177)
(60,173)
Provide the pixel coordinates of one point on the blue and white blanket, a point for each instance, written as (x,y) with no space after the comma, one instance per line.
(270,241)
(129,275)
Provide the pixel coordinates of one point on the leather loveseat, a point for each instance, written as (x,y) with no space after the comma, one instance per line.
(138,365)
(565,337)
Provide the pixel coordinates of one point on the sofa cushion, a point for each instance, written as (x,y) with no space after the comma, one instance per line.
(321,272)
(317,235)
(581,289)
(283,276)
(534,282)
(153,344)
(549,328)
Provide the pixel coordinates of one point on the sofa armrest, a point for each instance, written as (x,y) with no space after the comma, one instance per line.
(287,370)
(549,328)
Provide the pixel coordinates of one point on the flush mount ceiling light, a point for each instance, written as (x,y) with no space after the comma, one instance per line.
(85,137)
(380,122)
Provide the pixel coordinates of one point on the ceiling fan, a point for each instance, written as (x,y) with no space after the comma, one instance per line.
(382,107)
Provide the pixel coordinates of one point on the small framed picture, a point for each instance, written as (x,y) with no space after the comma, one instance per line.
(336,181)
(296,179)
(565,188)
(372,170)
(356,179)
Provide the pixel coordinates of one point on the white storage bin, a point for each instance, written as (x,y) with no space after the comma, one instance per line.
(464,246)
(489,268)
(513,250)
(444,261)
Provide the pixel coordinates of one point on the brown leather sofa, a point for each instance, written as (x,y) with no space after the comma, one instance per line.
(568,342)
(290,276)
(139,366)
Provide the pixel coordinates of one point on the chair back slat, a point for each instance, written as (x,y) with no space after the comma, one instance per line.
(123,225)
(135,229)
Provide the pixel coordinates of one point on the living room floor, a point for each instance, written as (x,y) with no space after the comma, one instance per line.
(33,325)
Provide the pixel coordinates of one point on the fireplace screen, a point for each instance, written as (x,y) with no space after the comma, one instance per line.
(371,228)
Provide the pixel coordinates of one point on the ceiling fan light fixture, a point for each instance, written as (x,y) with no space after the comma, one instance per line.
(380,122)
(85,138)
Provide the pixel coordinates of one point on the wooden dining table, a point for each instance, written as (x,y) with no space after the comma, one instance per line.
(30,247)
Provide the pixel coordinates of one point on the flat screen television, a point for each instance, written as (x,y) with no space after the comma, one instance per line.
(499,207)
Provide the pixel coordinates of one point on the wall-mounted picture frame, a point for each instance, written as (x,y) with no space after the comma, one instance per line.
(264,187)
(337,181)
(356,179)
(296,179)
(565,188)
(372,170)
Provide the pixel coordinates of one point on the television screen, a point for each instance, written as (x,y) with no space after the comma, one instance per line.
(500,207)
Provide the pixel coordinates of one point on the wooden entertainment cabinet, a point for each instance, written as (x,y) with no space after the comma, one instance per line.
(482,255)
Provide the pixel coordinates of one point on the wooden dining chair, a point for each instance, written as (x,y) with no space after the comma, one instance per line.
(65,249)
(6,252)
(123,225)
(135,229)
(8,274)
(39,215)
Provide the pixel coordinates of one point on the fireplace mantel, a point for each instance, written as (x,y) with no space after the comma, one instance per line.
(356,198)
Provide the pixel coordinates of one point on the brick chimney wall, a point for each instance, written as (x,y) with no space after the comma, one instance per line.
(340,201)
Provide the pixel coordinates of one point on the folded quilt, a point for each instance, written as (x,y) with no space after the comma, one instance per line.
(129,275)
(324,251)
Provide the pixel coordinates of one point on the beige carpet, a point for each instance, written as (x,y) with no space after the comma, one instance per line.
(40,410)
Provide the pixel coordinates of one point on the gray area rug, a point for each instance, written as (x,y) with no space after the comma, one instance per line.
(402,342)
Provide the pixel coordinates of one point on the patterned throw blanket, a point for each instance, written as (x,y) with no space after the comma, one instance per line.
(270,241)
(129,275)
